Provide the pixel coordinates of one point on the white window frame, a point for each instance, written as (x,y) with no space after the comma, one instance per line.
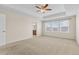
(58,25)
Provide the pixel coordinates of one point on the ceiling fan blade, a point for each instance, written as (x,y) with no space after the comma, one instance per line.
(37,7)
(46,5)
(48,9)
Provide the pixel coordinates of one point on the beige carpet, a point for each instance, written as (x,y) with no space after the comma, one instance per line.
(41,46)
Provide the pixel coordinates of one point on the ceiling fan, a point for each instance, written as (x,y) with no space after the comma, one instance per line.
(43,8)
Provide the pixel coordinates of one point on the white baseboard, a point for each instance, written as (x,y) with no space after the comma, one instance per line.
(6,43)
(3,44)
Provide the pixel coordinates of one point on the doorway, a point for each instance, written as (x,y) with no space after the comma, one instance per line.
(34,31)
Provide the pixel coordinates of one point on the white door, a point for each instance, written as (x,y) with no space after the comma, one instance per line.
(2,30)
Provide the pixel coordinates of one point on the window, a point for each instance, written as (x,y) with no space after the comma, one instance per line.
(64,26)
(57,26)
(48,26)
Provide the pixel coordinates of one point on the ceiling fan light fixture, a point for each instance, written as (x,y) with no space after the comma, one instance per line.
(43,8)
(42,11)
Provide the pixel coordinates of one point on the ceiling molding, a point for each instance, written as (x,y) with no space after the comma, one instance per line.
(55,15)
(58,10)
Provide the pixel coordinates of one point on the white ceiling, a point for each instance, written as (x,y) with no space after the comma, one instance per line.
(68,9)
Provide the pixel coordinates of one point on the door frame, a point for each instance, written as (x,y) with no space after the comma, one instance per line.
(4,29)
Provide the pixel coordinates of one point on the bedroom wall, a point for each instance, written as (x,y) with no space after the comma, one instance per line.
(70,35)
(18,25)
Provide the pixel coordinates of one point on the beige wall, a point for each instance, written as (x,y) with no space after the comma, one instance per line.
(70,35)
(18,26)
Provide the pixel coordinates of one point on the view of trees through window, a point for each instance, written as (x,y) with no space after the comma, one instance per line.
(57,26)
